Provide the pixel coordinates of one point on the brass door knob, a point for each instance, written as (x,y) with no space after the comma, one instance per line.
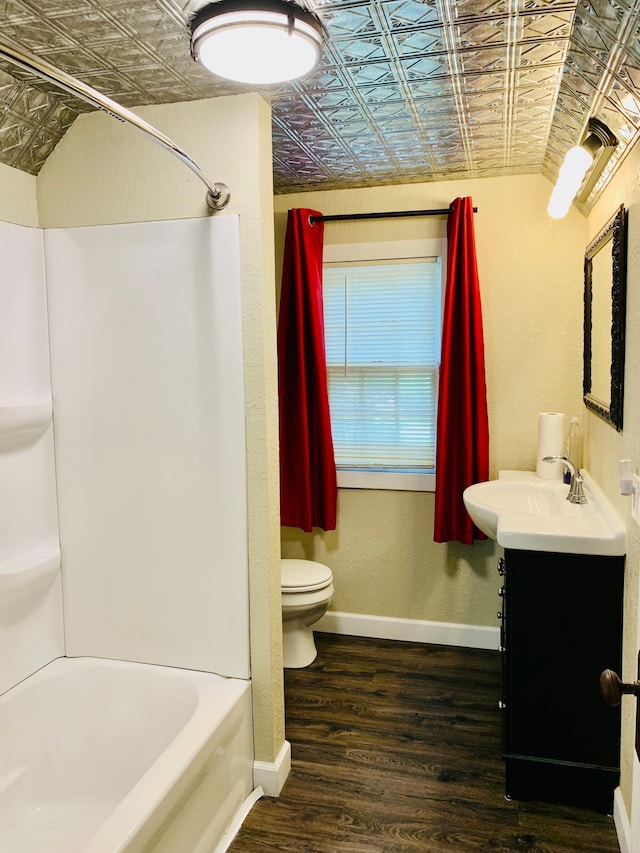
(612,689)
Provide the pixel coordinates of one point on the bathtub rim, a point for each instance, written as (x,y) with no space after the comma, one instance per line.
(140,814)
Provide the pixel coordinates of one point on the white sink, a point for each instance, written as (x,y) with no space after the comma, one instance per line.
(521,510)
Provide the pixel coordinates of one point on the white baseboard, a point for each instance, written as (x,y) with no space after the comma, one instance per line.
(271,776)
(621,822)
(409,630)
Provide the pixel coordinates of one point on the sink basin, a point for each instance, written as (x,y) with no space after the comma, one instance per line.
(521,510)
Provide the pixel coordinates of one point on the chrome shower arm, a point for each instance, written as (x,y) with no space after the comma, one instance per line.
(218,194)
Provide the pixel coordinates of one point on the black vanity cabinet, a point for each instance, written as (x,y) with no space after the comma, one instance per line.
(561,626)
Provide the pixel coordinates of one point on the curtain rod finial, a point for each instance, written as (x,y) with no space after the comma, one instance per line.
(218,197)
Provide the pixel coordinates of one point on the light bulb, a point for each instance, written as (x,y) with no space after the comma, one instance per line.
(576,164)
(559,204)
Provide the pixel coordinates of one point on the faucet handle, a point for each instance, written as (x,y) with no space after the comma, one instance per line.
(576,492)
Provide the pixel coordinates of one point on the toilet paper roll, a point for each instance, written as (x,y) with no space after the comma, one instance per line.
(550,443)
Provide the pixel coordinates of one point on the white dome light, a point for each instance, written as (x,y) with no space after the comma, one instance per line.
(271,41)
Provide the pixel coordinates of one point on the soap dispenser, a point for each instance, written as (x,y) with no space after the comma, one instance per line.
(573,447)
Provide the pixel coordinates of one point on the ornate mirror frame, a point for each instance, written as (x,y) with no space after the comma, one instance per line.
(614,232)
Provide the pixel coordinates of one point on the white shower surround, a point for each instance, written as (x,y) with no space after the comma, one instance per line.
(148,387)
(148,407)
(31,630)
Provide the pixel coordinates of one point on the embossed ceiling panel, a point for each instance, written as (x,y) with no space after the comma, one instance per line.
(408,90)
(473,86)
(601,79)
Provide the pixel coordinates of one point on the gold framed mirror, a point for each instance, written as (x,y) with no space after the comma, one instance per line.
(605,275)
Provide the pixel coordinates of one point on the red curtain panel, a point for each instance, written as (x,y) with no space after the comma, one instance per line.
(462,451)
(308,489)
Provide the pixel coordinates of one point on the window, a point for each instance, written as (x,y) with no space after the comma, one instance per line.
(382,311)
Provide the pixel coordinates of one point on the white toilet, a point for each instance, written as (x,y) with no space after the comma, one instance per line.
(307,590)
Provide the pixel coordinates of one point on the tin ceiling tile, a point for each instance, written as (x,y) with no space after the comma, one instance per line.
(629,74)
(581,82)
(407,90)
(556,25)
(544,75)
(420,42)
(439,87)
(487,60)
(472,83)
(13,10)
(31,37)
(321,100)
(599,13)
(482,32)
(538,96)
(627,101)
(481,8)
(386,93)
(616,120)
(369,49)
(569,121)
(595,40)
(422,67)
(401,14)
(352,22)
(14,134)
(547,51)
(384,112)
(377,72)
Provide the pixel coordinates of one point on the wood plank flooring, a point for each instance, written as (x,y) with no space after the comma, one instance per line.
(396,748)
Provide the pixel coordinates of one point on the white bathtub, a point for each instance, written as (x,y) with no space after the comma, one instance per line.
(99,756)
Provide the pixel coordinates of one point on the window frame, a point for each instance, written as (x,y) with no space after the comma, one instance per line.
(391,250)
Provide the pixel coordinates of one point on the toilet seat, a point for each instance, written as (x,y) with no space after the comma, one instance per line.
(304,576)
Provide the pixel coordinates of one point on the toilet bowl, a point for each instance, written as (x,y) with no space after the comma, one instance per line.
(307,590)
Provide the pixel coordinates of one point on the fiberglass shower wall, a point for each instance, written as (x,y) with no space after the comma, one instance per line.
(31,632)
(148,390)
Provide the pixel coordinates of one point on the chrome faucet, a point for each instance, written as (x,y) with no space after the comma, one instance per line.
(576,491)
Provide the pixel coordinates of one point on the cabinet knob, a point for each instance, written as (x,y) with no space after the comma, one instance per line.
(612,689)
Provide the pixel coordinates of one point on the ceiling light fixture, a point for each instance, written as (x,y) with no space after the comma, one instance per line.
(260,42)
(591,156)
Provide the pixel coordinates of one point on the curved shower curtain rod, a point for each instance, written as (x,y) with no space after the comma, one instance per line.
(218,195)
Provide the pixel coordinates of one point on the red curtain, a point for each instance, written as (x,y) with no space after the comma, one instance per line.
(308,489)
(462,449)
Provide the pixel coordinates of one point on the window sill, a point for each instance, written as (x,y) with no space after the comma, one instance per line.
(386,480)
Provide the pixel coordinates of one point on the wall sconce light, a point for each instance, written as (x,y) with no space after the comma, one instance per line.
(582,166)
(260,42)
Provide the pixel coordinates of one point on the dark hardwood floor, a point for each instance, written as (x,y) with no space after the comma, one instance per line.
(396,748)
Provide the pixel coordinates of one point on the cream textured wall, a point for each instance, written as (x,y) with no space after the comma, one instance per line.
(18,197)
(106,172)
(604,446)
(382,554)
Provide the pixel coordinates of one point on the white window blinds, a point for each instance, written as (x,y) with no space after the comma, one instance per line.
(382,335)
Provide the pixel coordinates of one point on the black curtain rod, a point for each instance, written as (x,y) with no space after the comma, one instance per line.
(393,214)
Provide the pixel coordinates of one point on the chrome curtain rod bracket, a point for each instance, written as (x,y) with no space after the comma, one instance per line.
(218,195)
(392,214)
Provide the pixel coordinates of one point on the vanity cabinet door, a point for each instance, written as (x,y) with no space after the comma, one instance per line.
(563,623)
